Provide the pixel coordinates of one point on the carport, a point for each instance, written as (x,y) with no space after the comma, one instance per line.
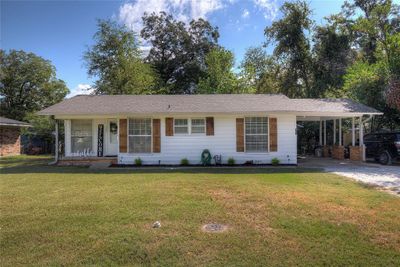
(333,113)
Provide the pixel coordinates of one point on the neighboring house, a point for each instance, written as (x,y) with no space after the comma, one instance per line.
(163,129)
(10,136)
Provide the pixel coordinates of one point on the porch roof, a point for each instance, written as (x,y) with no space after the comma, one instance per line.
(209,104)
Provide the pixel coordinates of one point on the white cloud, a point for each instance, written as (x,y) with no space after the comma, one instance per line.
(81,89)
(268,7)
(245,13)
(131,13)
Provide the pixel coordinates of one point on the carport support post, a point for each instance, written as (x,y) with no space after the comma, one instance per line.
(340,131)
(324,132)
(353,132)
(334,132)
(320,132)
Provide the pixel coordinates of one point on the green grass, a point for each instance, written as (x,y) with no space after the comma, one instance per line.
(77,216)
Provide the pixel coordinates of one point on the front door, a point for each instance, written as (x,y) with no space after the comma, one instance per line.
(112,138)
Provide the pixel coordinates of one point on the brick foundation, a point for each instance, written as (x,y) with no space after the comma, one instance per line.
(325,151)
(338,152)
(10,141)
(356,153)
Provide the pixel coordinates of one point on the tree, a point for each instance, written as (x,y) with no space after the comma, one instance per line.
(28,84)
(260,73)
(293,47)
(115,59)
(332,56)
(178,50)
(219,78)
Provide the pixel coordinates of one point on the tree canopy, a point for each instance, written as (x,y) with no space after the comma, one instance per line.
(178,51)
(115,60)
(28,83)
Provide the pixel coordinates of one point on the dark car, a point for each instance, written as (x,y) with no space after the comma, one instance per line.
(383,147)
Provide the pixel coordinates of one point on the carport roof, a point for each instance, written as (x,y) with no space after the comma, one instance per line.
(213,103)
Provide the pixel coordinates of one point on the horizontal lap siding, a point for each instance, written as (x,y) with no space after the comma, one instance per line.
(174,148)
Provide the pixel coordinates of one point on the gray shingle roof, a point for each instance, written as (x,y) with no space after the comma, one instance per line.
(217,103)
(10,122)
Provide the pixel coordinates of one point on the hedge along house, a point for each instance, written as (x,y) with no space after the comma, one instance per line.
(163,129)
(10,136)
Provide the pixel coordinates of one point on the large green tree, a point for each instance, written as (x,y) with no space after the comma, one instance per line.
(219,77)
(115,60)
(28,83)
(260,72)
(292,49)
(332,55)
(178,51)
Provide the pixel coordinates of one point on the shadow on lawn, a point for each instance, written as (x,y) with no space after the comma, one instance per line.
(211,170)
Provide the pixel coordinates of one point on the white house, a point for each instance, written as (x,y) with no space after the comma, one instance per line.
(163,129)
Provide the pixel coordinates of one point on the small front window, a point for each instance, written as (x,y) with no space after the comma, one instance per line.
(181,126)
(198,126)
(81,136)
(256,130)
(139,135)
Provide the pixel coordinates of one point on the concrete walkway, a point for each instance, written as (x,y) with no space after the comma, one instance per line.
(387,177)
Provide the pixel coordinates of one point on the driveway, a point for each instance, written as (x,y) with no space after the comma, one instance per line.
(387,177)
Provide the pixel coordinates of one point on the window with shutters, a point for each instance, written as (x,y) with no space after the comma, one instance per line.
(140,135)
(198,126)
(190,126)
(256,134)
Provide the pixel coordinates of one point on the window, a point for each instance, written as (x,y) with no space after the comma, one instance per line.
(139,135)
(81,136)
(256,134)
(181,126)
(198,126)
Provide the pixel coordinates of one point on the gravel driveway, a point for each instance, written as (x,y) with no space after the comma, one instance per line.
(387,177)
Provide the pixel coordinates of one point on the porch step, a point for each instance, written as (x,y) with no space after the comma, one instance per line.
(103,161)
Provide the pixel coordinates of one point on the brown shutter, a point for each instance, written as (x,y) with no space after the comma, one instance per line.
(209,126)
(123,137)
(169,126)
(240,135)
(273,135)
(156,136)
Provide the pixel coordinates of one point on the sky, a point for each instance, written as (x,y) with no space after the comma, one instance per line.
(61,31)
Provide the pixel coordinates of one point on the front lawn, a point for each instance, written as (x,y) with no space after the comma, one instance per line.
(76,216)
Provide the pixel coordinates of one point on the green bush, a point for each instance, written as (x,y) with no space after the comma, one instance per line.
(184,162)
(138,162)
(275,161)
(231,161)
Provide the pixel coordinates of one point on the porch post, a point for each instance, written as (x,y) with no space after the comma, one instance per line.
(56,142)
(340,131)
(324,132)
(320,132)
(334,132)
(353,132)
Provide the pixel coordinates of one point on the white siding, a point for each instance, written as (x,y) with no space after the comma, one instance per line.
(174,148)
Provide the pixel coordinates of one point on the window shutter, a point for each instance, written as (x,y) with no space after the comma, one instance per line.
(240,135)
(169,126)
(156,136)
(123,137)
(210,126)
(273,134)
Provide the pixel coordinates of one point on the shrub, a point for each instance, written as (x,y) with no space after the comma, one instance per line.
(184,162)
(231,161)
(138,162)
(275,161)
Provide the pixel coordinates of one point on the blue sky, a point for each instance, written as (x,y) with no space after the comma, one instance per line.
(61,30)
